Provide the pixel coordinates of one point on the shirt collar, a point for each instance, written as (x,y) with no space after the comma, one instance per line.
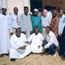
(62,16)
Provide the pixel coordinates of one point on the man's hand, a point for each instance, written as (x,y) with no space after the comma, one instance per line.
(43,40)
(30,32)
(44,49)
(22,48)
(11,33)
(60,35)
(57,48)
(27,42)
(41,32)
(39,46)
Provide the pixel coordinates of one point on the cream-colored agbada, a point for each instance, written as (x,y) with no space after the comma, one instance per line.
(36,40)
(4,34)
(15,43)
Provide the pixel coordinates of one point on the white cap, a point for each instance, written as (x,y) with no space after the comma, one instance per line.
(4,7)
(18,27)
(30,12)
(36,10)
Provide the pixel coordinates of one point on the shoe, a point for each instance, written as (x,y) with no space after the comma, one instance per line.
(13,60)
(7,54)
(1,55)
(54,55)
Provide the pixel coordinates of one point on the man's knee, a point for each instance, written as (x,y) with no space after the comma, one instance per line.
(52,47)
(44,43)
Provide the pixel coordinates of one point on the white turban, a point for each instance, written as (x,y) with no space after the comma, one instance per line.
(36,10)
(18,27)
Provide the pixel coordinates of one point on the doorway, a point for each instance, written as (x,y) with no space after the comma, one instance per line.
(36,4)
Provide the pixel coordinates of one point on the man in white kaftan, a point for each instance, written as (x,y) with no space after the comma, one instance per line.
(36,40)
(4,35)
(26,24)
(18,47)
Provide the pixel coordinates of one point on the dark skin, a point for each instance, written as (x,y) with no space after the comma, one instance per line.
(15,10)
(4,10)
(26,13)
(35,13)
(18,34)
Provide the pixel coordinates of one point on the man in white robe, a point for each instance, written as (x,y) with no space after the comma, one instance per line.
(18,47)
(14,21)
(4,35)
(26,24)
(36,40)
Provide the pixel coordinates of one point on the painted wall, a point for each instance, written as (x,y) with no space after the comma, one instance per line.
(55,3)
(15,3)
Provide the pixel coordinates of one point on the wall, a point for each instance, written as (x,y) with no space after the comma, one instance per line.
(55,3)
(15,3)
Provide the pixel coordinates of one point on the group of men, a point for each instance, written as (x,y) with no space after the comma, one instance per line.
(22,34)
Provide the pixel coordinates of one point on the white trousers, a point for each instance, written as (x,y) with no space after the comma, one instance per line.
(19,53)
(23,53)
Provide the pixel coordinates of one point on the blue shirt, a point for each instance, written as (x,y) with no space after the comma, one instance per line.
(61,24)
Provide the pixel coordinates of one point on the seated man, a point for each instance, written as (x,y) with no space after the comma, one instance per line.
(36,40)
(18,47)
(51,42)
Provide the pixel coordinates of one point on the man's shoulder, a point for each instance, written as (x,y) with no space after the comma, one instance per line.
(22,14)
(11,15)
(13,37)
(22,34)
(51,33)
(32,34)
(40,34)
(1,15)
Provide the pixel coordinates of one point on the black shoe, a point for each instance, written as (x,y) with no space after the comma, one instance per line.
(13,60)
(7,54)
(1,55)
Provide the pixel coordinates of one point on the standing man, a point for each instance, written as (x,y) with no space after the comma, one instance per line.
(45,21)
(4,35)
(54,24)
(14,21)
(25,20)
(60,29)
(36,21)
